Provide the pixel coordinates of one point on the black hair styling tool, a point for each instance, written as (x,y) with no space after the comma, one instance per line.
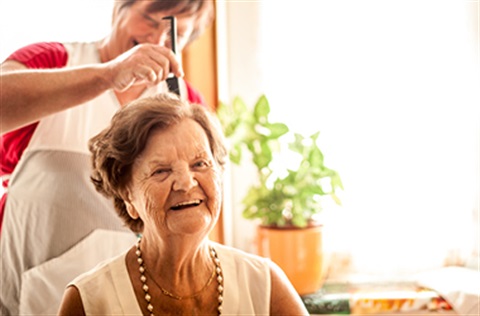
(172,81)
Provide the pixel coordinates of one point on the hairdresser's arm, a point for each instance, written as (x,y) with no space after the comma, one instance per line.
(27,95)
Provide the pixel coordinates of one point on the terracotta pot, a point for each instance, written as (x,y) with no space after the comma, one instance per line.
(298,251)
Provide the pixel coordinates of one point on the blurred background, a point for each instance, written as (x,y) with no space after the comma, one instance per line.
(393,86)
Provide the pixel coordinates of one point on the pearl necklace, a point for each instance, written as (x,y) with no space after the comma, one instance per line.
(148,298)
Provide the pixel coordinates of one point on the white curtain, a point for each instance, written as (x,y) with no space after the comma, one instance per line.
(393,86)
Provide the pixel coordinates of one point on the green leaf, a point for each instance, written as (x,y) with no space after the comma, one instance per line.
(277,130)
(239,106)
(261,110)
(236,154)
(336,199)
(299,221)
(263,157)
(336,182)
(297,144)
(315,157)
(314,136)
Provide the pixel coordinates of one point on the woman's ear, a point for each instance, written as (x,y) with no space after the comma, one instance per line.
(117,9)
(129,205)
(131,210)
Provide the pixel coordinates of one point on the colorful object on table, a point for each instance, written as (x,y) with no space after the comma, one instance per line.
(374,299)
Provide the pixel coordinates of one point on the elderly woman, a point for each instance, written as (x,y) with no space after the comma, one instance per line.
(161,160)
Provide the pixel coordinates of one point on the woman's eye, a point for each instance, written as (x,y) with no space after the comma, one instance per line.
(151,21)
(201,164)
(160,172)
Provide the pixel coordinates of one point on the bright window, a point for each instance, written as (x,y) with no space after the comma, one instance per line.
(393,86)
(27,21)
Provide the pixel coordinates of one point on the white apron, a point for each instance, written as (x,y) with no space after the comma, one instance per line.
(53,210)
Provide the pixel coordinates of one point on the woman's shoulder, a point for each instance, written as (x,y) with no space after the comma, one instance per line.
(107,289)
(238,257)
(102,272)
(247,281)
(41,55)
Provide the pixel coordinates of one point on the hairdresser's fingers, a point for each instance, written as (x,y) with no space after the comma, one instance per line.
(145,63)
(133,76)
(169,61)
(148,74)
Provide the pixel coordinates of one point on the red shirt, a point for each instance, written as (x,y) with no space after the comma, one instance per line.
(12,144)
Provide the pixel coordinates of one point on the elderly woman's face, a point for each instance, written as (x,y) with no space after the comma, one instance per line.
(176,183)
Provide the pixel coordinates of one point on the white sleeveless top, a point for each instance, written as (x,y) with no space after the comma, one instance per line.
(107,290)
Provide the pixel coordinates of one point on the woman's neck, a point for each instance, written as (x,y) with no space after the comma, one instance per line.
(177,260)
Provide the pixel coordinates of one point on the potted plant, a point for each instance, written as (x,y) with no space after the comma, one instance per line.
(286,201)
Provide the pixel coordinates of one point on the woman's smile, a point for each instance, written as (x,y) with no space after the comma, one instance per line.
(186,205)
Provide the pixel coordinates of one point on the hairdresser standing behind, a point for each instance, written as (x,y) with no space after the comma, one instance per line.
(54,98)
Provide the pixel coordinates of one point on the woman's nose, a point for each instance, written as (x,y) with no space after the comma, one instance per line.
(184,181)
(158,37)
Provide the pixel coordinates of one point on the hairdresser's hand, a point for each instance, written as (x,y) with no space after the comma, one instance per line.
(144,63)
